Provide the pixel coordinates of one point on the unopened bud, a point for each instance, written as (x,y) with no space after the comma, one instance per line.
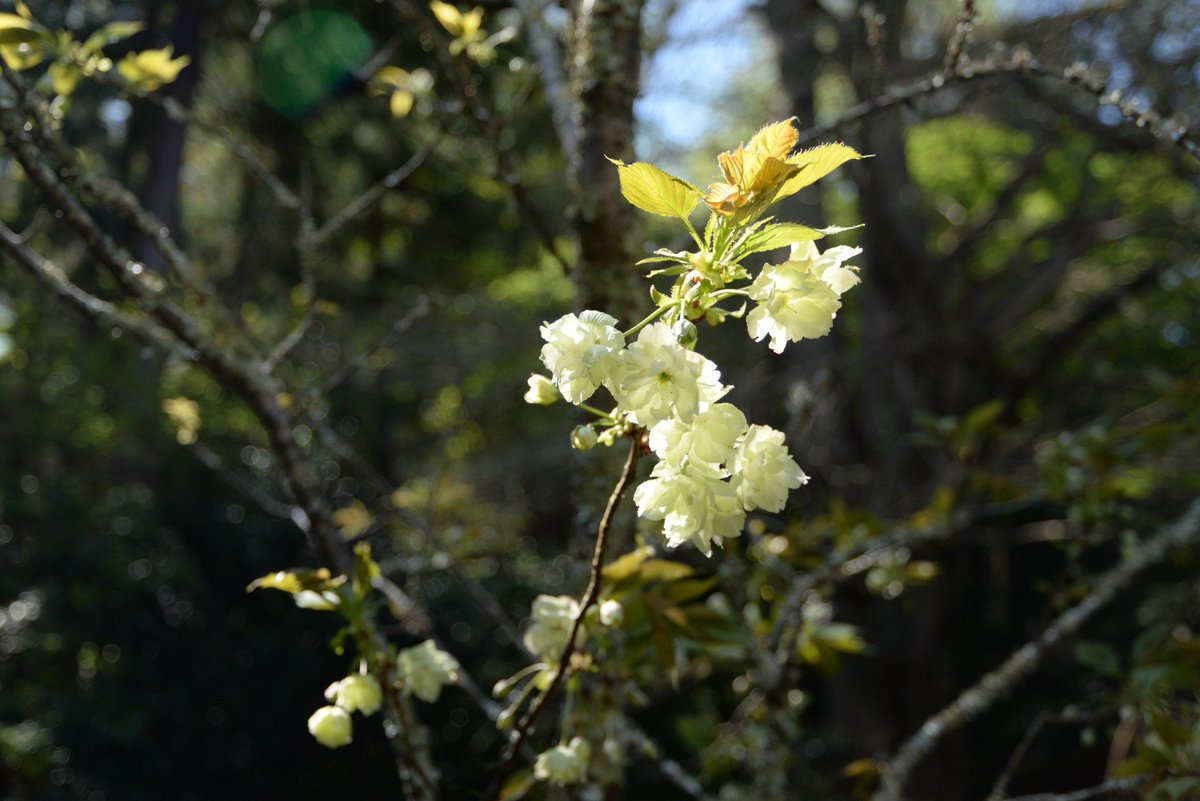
(685,332)
(541,390)
(584,438)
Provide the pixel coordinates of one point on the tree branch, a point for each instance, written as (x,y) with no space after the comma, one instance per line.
(980,697)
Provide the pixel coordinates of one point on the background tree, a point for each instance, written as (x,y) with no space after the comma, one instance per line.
(349,304)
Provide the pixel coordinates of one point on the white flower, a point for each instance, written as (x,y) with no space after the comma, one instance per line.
(564,764)
(321,601)
(331,726)
(708,440)
(356,693)
(830,265)
(657,378)
(799,298)
(612,613)
(584,438)
(763,470)
(693,505)
(425,669)
(541,390)
(579,352)
(552,620)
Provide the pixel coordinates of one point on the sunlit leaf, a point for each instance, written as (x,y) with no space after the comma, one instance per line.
(778,235)
(110,33)
(297,580)
(401,103)
(776,139)
(655,191)
(449,16)
(815,164)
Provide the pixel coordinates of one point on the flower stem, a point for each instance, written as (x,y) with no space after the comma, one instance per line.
(651,317)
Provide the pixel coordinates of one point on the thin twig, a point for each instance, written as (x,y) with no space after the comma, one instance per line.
(523,727)
(372,195)
(1112,787)
(978,698)
(419,310)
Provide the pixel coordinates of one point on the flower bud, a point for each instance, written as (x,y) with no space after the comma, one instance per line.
(612,613)
(331,727)
(685,332)
(584,438)
(356,693)
(541,390)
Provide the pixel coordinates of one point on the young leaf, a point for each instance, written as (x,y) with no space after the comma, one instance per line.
(815,164)
(655,191)
(16,30)
(110,33)
(779,235)
(776,139)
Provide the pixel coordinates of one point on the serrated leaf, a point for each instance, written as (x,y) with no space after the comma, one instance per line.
(776,139)
(838,229)
(815,163)
(110,33)
(655,191)
(778,235)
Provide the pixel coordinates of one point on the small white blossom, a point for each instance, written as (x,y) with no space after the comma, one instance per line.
(564,764)
(830,265)
(657,378)
(708,440)
(584,438)
(693,505)
(425,669)
(763,470)
(552,620)
(356,693)
(321,601)
(799,298)
(541,390)
(331,726)
(612,613)
(579,352)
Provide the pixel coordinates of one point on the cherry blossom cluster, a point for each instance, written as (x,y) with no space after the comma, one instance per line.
(714,467)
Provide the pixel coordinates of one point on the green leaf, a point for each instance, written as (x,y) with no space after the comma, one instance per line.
(664,570)
(625,566)
(297,580)
(778,235)
(110,33)
(1098,656)
(684,590)
(815,163)
(655,191)
(17,30)
(517,786)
